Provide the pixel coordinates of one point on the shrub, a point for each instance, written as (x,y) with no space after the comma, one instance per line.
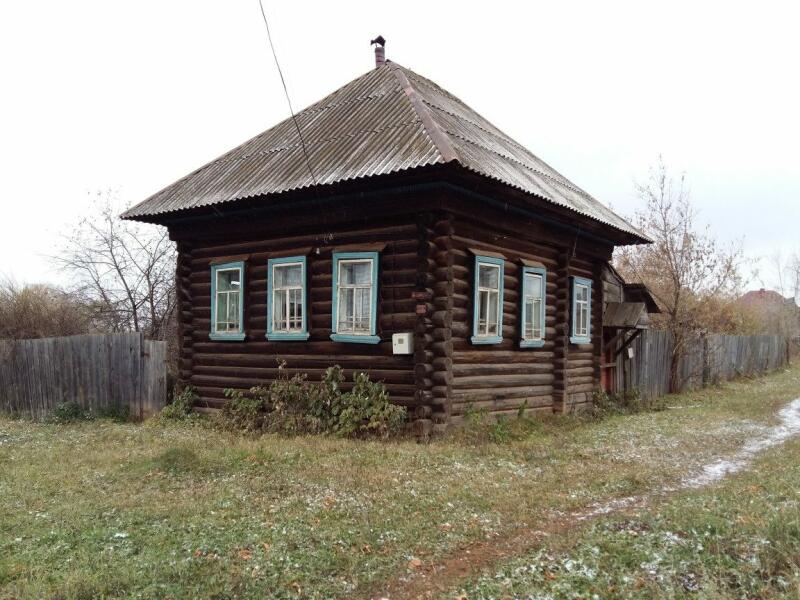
(245,412)
(629,402)
(181,406)
(365,410)
(69,412)
(295,405)
(481,428)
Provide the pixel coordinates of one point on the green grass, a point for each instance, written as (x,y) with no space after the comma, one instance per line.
(103,509)
(737,539)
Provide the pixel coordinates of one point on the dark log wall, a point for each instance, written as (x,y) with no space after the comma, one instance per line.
(503,378)
(425,286)
(212,366)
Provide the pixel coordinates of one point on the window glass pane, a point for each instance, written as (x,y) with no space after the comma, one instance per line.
(296,309)
(346,275)
(581,293)
(489,276)
(233,310)
(222,309)
(346,296)
(227,280)
(529,323)
(363,272)
(534,285)
(483,305)
(537,319)
(279,310)
(355,273)
(363,310)
(288,276)
(492,314)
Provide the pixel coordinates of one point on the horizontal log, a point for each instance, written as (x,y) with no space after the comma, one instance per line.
(474,382)
(314,374)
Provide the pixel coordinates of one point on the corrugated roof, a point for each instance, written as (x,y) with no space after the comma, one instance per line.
(386,121)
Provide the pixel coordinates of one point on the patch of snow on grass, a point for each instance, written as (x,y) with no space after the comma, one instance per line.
(789,417)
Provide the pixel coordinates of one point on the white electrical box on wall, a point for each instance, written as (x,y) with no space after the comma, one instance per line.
(402,343)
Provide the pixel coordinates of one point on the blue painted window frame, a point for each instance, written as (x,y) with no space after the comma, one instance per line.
(487,339)
(575,338)
(227,336)
(286,335)
(354,338)
(533,343)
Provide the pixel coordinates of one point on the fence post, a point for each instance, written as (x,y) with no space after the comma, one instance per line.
(706,361)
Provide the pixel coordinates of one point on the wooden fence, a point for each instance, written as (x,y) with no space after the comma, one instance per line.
(99,372)
(708,360)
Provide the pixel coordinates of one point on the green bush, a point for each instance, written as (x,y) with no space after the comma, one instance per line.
(295,406)
(245,411)
(69,412)
(366,411)
(180,409)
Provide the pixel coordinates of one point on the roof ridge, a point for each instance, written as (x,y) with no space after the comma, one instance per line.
(434,131)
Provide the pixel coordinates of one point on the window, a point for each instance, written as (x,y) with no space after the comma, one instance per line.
(227,310)
(581,310)
(355,297)
(534,280)
(286,299)
(487,325)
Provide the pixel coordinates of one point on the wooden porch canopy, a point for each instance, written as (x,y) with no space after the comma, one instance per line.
(626,315)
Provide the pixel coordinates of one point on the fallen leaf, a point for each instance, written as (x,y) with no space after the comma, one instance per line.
(245,554)
(414,563)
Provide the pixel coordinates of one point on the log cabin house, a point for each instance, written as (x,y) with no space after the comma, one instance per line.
(392,229)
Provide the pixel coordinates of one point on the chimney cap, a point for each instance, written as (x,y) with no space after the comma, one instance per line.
(378,40)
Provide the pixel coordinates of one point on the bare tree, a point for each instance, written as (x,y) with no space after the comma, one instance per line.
(691,276)
(124,271)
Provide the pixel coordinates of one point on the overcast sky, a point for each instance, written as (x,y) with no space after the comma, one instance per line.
(133,95)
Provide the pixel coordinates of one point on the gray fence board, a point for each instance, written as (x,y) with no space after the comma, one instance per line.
(711,359)
(99,372)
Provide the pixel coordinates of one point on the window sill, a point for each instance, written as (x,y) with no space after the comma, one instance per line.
(531,343)
(494,339)
(355,339)
(580,340)
(287,337)
(227,337)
